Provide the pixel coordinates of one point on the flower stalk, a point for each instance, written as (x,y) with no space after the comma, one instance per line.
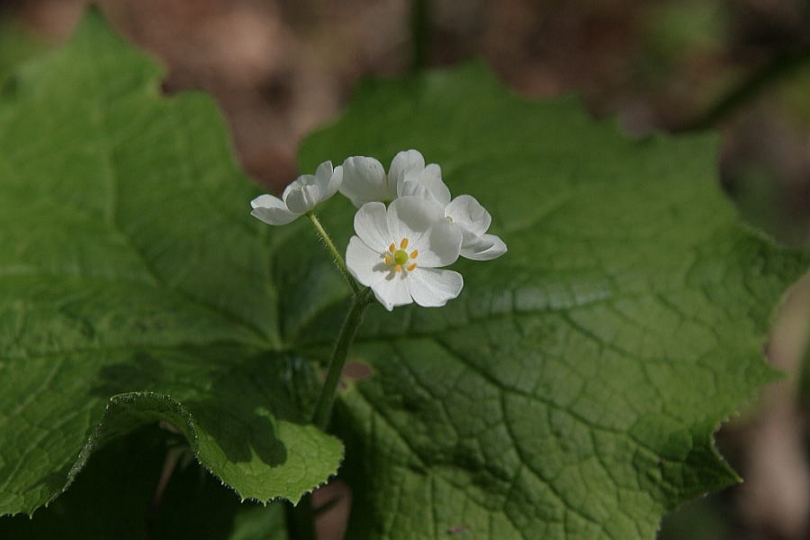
(323,408)
(361,298)
(330,246)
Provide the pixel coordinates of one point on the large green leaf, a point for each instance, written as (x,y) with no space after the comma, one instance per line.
(571,391)
(134,285)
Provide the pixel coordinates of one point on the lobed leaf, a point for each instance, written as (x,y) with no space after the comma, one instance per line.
(572,389)
(134,281)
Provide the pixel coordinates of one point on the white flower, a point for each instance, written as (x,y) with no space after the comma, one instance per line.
(398,250)
(299,197)
(468,215)
(465,212)
(364,179)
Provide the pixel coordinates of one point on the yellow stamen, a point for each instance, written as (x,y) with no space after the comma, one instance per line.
(392,247)
(411,267)
(397,268)
(388,259)
(404,243)
(414,254)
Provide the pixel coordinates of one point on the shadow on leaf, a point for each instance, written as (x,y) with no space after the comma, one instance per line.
(227,399)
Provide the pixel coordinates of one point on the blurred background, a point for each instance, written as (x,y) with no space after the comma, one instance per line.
(279,69)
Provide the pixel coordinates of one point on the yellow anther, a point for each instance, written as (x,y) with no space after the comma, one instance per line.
(399,258)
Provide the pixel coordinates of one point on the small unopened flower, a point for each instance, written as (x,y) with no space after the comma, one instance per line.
(301,196)
(364,179)
(399,250)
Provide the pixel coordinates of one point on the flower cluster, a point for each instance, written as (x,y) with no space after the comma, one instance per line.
(408,226)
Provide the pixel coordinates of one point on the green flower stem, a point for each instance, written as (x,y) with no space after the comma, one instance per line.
(323,409)
(327,241)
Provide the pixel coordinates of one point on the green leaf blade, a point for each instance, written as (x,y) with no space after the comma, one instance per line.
(571,391)
(136,287)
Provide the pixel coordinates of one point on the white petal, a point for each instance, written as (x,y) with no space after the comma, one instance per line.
(469,238)
(322,179)
(410,188)
(271,210)
(411,217)
(433,288)
(371,225)
(440,246)
(402,164)
(427,184)
(303,197)
(266,201)
(274,216)
(467,212)
(295,185)
(483,248)
(335,181)
(364,181)
(324,172)
(365,263)
(393,290)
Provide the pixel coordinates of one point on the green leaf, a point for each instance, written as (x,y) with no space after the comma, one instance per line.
(572,390)
(134,285)
(191,505)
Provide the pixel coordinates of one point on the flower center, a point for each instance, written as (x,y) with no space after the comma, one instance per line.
(400,256)
(398,259)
